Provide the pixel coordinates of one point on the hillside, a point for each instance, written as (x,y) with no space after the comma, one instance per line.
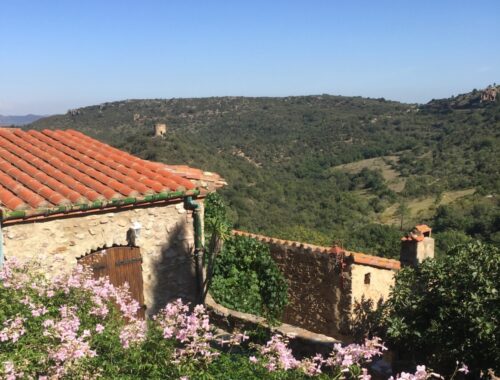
(19,120)
(324,168)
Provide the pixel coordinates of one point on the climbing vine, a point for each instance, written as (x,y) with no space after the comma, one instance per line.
(244,275)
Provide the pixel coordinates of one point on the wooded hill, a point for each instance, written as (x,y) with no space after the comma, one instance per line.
(325,168)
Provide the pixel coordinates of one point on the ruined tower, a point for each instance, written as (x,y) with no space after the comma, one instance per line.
(160,129)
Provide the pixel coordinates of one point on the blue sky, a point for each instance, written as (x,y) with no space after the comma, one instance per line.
(56,55)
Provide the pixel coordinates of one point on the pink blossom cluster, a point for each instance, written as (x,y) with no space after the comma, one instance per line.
(102,292)
(37,310)
(132,333)
(355,354)
(10,372)
(422,373)
(12,275)
(13,329)
(312,366)
(276,355)
(71,345)
(191,329)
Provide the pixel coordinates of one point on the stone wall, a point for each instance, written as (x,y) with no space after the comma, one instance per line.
(324,283)
(317,290)
(166,242)
(370,283)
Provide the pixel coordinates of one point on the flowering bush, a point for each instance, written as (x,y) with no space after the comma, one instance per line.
(77,327)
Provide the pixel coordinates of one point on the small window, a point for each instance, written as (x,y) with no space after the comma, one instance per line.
(368,278)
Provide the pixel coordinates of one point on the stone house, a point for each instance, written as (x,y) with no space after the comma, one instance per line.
(65,194)
(326,283)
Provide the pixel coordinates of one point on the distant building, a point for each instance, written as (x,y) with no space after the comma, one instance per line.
(160,129)
(489,94)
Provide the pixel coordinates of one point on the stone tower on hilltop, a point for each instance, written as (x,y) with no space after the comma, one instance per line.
(160,129)
(489,94)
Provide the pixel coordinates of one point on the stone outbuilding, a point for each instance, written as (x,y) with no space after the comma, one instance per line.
(65,194)
(326,283)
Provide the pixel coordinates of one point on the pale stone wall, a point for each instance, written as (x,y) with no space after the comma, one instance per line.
(166,242)
(380,282)
(414,252)
(425,249)
(160,130)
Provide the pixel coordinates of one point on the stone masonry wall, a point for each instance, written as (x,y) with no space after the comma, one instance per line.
(316,289)
(166,242)
(324,283)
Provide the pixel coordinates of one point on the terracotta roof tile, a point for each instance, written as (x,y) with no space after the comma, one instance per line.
(50,169)
(375,261)
(423,228)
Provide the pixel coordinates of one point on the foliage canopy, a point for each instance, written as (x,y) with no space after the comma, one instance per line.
(448,309)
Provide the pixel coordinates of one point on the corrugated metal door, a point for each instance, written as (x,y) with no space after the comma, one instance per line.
(120,264)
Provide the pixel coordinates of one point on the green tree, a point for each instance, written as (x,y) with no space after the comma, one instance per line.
(447,309)
(403,212)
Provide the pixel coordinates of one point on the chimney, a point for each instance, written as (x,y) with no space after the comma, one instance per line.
(417,246)
(160,129)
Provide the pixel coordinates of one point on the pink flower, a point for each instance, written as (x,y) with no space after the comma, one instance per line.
(364,375)
(10,370)
(134,332)
(13,330)
(464,369)
(99,328)
(253,359)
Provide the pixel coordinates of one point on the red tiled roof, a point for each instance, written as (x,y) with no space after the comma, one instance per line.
(423,228)
(375,261)
(49,169)
(202,178)
(358,258)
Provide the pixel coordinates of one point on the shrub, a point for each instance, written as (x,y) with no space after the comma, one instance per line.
(77,327)
(447,309)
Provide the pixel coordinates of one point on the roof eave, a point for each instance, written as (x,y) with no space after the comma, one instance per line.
(22,215)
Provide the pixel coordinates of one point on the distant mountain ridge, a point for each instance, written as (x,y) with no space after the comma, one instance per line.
(19,119)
